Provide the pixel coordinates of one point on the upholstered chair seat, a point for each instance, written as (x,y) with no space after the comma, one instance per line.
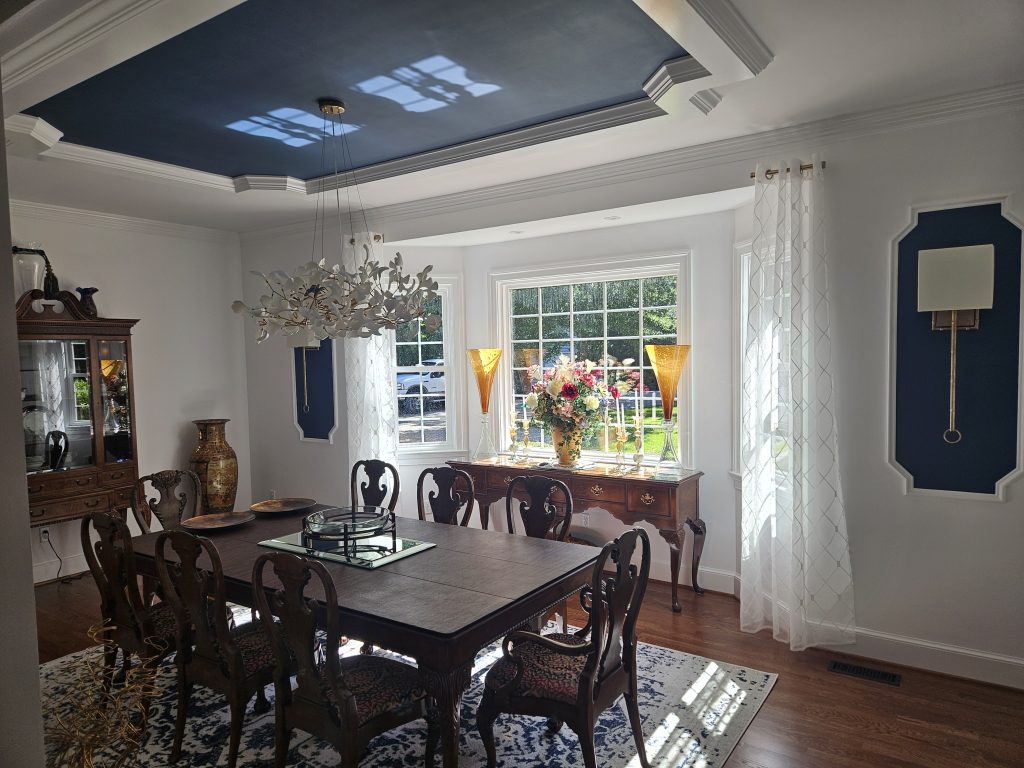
(547,674)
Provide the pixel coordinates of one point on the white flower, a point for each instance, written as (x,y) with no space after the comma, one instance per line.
(554,387)
(592,402)
(531,400)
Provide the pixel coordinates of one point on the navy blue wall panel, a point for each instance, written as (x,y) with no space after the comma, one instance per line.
(988,361)
(319,420)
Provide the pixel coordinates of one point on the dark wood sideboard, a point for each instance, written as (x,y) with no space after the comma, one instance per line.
(670,504)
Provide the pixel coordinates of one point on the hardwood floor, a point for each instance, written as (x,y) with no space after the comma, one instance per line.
(812,719)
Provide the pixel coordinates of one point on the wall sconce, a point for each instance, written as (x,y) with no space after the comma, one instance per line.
(954,284)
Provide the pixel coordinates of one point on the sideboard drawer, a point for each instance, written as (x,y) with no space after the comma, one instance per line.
(121,498)
(59,484)
(116,476)
(500,478)
(647,501)
(88,504)
(44,513)
(599,489)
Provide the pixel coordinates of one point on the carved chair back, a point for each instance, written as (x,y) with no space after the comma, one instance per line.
(454,491)
(196,595)
(614,605)
(539,514)
(318,673)
(111,561)
(179,492)
(374,491)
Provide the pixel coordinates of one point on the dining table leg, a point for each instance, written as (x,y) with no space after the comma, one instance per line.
(446,688)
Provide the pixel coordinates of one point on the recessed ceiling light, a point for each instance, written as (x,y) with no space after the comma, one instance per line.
(612,218)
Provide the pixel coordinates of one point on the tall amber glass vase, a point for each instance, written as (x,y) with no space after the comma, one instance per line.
(668,360)
(484,363)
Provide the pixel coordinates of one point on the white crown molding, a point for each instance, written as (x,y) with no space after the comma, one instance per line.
(270,183)
(732,28)
(127,164)
(673,72)
(52,44)
(61,214)
(706,100)
(29,136)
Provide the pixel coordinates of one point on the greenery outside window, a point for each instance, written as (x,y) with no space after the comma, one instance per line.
(80,381)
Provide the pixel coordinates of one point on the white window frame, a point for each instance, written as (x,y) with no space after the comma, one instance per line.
(626,267)
(450,289)
(742,252)
(73,420)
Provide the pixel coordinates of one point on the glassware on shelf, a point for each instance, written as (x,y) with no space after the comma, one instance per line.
(668,360)
(484,363)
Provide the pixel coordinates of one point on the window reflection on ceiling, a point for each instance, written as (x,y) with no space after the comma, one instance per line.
(426,85)
(292,127)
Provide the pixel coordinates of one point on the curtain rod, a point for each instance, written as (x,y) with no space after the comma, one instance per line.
(773,171)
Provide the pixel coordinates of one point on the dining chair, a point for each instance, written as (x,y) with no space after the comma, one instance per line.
(236,661)
(347,701)
(179,491)
(135,628)
(573,678)
(454,491)
(539,514)
(374,491)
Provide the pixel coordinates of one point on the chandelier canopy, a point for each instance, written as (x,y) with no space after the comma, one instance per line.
(356,297)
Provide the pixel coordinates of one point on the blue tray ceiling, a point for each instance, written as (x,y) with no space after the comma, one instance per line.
(236,95)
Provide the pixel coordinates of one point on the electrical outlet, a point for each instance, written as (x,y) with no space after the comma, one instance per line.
(44,535)
(586,519)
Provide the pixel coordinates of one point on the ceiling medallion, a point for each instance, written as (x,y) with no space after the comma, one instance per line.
(357,297)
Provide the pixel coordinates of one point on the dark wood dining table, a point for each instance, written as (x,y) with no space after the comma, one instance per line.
(440,606)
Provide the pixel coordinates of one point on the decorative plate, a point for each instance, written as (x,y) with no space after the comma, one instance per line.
(219,520)
(283,506)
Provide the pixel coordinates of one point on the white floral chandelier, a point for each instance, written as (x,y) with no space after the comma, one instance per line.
(318,302)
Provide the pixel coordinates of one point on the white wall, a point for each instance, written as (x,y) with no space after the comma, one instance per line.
(188,359)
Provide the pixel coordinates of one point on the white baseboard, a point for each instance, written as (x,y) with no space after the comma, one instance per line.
(938,657)
(46,570)
(714,579)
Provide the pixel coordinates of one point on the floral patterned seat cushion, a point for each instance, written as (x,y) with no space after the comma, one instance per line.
(380,684)
(547,674)
(253,644)
(164,624)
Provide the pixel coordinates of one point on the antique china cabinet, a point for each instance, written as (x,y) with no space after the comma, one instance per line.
(77,408)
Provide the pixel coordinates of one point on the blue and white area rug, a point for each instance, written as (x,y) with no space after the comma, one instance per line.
(694,711)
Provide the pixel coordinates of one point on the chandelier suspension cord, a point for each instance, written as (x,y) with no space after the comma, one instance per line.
(346,158)
(320,196)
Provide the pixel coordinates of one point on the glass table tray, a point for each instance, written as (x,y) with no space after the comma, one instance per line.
(372,552)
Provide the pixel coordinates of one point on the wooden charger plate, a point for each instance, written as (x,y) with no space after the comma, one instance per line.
(218,520)
(283,506)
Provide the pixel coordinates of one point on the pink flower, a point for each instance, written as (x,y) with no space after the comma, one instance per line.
(569,392)
(566,411)
(588,379)
(614,392)
(548,375)
(634,375)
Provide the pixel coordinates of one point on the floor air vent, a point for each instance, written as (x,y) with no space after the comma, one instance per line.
(866,673)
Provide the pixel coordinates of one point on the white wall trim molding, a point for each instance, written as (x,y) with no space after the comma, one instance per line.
(127,164)
(735,32)
(335,351)
(270,183)
(908,480)
(57,213)
(47,570)
(29,136)
(50,45)
(706,100)
(673,72)
(945,658)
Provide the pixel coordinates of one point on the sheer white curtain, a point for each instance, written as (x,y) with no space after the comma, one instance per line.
(795,558)
(370,378)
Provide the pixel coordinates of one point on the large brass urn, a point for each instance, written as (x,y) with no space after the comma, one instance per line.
(217,466)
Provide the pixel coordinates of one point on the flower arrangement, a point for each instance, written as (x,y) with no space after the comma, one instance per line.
(566,399)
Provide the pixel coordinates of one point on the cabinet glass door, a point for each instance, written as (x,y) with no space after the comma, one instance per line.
(114,399)
(56,404)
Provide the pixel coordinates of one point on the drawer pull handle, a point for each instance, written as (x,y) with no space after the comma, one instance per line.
(597,490)
(647,499)
(35,489)
(508,479)
(93,503)
(116,475)
(37,512)
(83,481)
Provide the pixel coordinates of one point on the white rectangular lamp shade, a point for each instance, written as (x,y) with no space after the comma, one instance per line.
(955,278)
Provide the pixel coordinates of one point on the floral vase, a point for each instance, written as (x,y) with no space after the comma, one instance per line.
(217,466)
(568,444)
